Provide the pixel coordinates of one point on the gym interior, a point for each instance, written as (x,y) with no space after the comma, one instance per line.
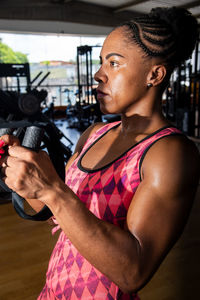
(63,111)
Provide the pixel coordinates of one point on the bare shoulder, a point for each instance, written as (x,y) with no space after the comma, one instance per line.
(175,159)
(163,200)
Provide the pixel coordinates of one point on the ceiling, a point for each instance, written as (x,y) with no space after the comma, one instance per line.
(83,17)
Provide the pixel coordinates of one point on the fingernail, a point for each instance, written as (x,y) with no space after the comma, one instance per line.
(2,143)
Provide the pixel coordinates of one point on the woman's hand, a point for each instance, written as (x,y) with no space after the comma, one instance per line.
(29,174)
(7,140)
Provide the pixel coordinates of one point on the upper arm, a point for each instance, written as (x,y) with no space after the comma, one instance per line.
(162,202)
(82,140)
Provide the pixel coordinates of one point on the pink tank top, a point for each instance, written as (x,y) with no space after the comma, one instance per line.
(107,193)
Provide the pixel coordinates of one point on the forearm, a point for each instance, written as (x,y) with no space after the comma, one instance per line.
(112,250)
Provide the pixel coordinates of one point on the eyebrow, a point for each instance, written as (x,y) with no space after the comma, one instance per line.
(112,54)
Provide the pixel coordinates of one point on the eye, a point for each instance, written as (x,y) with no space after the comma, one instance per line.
(114,63)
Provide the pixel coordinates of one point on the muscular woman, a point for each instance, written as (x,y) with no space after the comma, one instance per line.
(129,185)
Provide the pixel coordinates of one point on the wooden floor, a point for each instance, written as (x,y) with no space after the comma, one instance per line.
(25,248)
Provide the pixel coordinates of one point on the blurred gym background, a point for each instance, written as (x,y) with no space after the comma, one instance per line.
(61,95)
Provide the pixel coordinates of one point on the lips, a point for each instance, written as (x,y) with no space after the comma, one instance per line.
(101,93)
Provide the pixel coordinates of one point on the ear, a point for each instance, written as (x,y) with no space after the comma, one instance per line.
(156,75)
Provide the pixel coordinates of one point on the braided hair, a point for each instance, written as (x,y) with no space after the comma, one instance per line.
(168,33)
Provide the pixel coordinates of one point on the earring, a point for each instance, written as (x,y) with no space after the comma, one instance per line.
(149,84)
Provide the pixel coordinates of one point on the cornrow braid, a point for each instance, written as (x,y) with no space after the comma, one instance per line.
(148,50)
(155,31)
(137,39)
(169,33)
(160,42)
(145,19)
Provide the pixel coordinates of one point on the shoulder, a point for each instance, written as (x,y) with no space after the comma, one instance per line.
(174,146)
(174,160)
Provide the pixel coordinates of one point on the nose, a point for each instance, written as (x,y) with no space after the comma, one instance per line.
(100,75)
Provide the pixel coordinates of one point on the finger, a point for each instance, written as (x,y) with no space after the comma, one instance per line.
(3,172)
(20,152)
(6,180)
(12,179)
(9,140)
(8,161)
(2,161)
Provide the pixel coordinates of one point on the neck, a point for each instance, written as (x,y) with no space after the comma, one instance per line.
(145,117)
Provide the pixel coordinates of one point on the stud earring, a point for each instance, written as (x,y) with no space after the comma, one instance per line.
(149,84)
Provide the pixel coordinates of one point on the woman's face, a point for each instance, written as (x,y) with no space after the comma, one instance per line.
(122,76)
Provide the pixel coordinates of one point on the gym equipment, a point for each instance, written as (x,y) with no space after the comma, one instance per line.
(182,104)
(36,132)
(18,71)
(84,72)
(86,110)
(21,115)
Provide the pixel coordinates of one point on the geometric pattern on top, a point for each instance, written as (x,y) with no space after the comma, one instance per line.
(107,193)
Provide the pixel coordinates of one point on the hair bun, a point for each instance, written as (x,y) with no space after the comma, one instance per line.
(182,24)
(167,15)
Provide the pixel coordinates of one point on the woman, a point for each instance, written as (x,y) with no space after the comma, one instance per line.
(130,184)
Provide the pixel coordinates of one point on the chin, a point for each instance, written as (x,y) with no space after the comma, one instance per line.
(108,110)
